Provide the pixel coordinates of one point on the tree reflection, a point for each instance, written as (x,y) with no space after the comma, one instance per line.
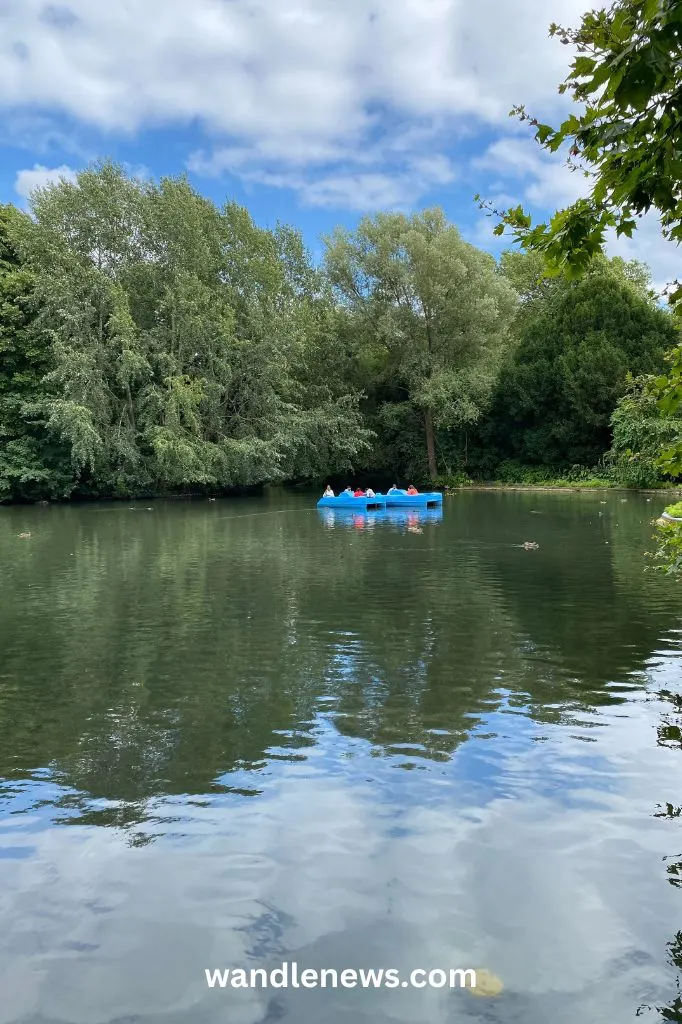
(192,649)
(668,735)
(670,729)
(673,1011)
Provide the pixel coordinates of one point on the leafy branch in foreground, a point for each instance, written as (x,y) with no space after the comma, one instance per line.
(627,77)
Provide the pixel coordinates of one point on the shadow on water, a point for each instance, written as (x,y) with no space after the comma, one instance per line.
(278,731)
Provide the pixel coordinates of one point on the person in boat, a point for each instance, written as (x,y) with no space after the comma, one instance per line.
(349,490)
(328,492)
(358,493)
(412,489)
(393,489)
(369,493)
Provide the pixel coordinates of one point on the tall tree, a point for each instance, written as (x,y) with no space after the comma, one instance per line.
(180,340)
(576,342)
(627,79)
(432,308)
(32,462)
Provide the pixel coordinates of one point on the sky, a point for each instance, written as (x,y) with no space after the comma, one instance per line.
(311,112)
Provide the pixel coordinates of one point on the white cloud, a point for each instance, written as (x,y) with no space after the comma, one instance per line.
(41,134)
(364,191)
(37,177)
(360,191)
(392,172)
(349,105)
(297,68)
(649,245)
(289,85)
(544,180)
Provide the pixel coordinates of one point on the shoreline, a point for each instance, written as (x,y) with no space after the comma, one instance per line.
(673,491)
(665,493)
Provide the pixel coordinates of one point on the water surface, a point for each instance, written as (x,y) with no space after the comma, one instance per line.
(242,732)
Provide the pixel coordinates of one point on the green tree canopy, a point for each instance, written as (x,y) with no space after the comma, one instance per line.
(640,432)
(576,343)
(32,463)
(184,341)
(433,312)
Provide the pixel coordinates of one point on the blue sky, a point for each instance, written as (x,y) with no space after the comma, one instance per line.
(308,111)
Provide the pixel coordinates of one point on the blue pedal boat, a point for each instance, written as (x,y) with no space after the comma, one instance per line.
(401,499)
(348,501)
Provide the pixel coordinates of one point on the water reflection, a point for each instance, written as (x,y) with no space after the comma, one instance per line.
(669,736)
(408,519)
(273,740)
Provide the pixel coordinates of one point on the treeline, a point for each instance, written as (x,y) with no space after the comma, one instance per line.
(152,343)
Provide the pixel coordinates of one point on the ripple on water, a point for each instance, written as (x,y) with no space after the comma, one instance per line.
(228,743)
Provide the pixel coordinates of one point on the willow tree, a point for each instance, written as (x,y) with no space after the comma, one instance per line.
(31,463)
(433,307)
(181,339)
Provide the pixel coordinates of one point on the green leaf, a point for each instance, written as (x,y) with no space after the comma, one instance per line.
(584,66)
(544,131)
(625,227)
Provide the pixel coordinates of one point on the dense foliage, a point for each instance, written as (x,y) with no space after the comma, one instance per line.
(151,343)
(641,430)
(626,78)
(576,343)
(433,316)
(667,556)
(32,463)
(184,344)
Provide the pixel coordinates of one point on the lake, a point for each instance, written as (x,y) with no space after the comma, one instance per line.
(243,732)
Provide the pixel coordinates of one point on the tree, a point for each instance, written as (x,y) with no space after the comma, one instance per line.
(433,310)
(625,137)
(32,463)
(181,340)
(575,344)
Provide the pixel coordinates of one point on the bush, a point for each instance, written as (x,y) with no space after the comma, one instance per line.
(513,472)
(667,558)
(457,479)
(640,432)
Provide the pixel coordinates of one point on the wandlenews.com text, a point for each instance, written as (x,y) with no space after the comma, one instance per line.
(291,975)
